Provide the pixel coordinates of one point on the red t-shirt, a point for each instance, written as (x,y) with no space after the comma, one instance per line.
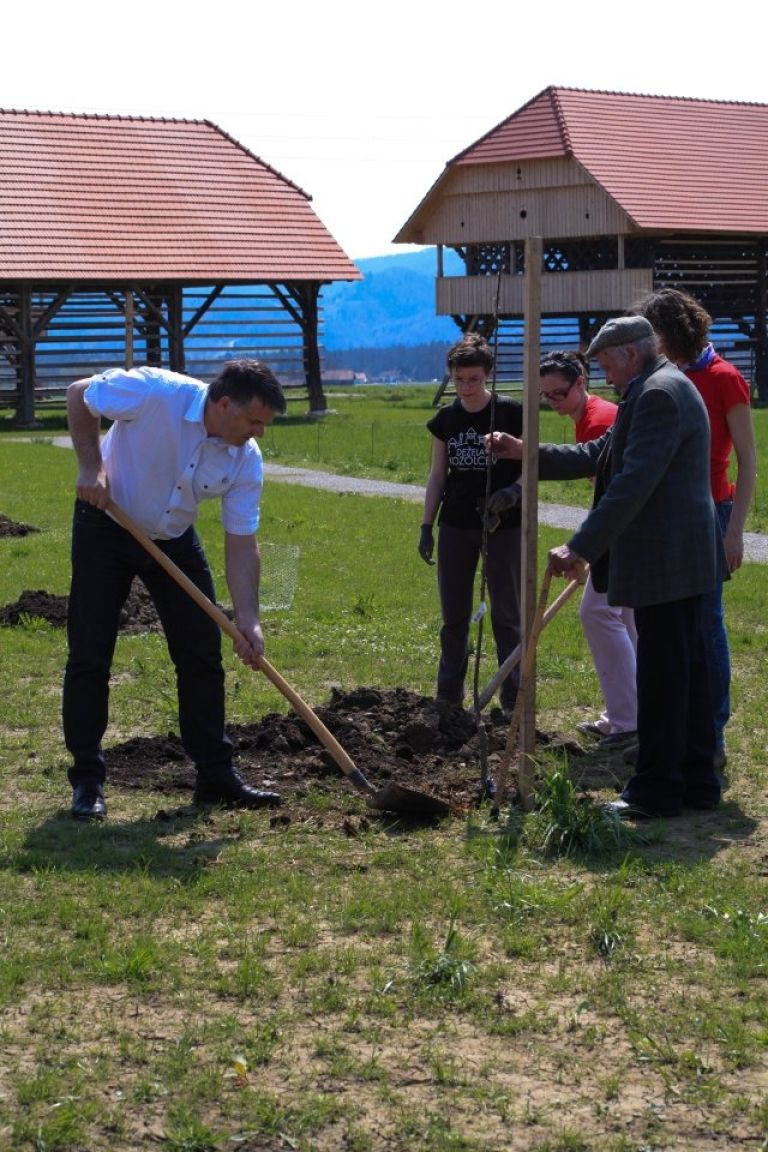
(722,387)
(598,416)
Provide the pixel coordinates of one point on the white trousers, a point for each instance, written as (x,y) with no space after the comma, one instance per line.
(612,640)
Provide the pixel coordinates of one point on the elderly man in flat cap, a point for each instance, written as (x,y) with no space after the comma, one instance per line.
(652,541)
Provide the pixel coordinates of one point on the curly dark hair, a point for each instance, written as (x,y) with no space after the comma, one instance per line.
(568,364)
(681,323)
(472,351)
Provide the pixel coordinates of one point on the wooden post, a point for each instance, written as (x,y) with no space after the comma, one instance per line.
(310,294)
(128,329)
(25,408)
(530,484)
(174,310)
(761,327)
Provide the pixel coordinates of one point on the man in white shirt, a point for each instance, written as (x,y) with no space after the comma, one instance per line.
(173,443)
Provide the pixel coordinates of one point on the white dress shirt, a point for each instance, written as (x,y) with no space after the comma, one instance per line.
(159,458)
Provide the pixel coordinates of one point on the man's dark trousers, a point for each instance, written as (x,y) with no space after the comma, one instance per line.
(675,725)
(105,558)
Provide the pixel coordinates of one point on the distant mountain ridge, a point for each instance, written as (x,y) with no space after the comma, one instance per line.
(393,306)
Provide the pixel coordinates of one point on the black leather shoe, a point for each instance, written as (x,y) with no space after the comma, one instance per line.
(230,790)
(88,801)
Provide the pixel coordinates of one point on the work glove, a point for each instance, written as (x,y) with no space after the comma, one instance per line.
(503,499)
(426,543)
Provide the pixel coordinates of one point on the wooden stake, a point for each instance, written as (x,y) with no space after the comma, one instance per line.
(530,485)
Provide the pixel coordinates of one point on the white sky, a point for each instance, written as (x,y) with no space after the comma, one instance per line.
(360,104)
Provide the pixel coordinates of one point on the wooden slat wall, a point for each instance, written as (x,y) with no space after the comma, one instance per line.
(492,203)
(89,334)
(517,176)
(561,292)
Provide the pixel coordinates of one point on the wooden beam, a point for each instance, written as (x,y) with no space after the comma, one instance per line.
(295,292)
(309,329)
(11,323)
(44,319)
(154,313)
(175,306)
(206,304)
(530,483)
(129,315)
(25,408)
(761,326)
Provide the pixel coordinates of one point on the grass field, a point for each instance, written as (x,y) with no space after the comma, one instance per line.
(380,432)
(198,982)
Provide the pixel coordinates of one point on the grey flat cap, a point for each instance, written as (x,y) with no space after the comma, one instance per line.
(622,330)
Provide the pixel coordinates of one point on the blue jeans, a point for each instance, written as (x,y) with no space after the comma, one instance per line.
(105,559)
(716,649)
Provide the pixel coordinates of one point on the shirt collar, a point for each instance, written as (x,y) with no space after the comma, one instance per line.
(703,361)
(195,414)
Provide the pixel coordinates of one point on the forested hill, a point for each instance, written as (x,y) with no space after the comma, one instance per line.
(394,305)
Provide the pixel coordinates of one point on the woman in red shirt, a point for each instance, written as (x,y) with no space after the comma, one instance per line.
(610,631)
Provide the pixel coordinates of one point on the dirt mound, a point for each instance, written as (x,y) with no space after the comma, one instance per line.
(13,528)
(392,735)
(138,614)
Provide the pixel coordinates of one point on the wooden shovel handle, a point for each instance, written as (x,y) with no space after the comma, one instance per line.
(513,659)
(326,738)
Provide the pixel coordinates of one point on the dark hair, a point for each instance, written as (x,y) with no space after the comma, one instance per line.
(246,380)
(472,351)
(569,364)
(680,321)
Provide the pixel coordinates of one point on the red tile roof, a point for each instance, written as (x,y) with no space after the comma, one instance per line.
(670,163)
(106,197)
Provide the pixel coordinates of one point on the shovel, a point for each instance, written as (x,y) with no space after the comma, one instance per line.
(513,659)
(392,797)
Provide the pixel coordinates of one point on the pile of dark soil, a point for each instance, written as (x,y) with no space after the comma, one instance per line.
(13,528)
(138,614)
(391,735)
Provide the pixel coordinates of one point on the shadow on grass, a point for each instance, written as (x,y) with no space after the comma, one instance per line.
(117,846)
(692,838)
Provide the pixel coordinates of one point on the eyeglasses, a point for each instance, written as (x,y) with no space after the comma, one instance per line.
(556,394)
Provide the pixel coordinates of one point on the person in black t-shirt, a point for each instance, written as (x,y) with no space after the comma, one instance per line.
(457,487)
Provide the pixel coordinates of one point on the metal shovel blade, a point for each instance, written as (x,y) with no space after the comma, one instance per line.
(407,801)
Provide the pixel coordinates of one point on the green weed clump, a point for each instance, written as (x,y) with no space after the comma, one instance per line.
(570,823)
(446,971)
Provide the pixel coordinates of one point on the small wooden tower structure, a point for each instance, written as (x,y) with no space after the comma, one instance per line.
(629,193)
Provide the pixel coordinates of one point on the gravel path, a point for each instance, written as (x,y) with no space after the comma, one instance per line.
(554,515)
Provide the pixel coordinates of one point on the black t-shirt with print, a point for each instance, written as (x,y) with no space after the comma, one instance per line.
(463,434)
